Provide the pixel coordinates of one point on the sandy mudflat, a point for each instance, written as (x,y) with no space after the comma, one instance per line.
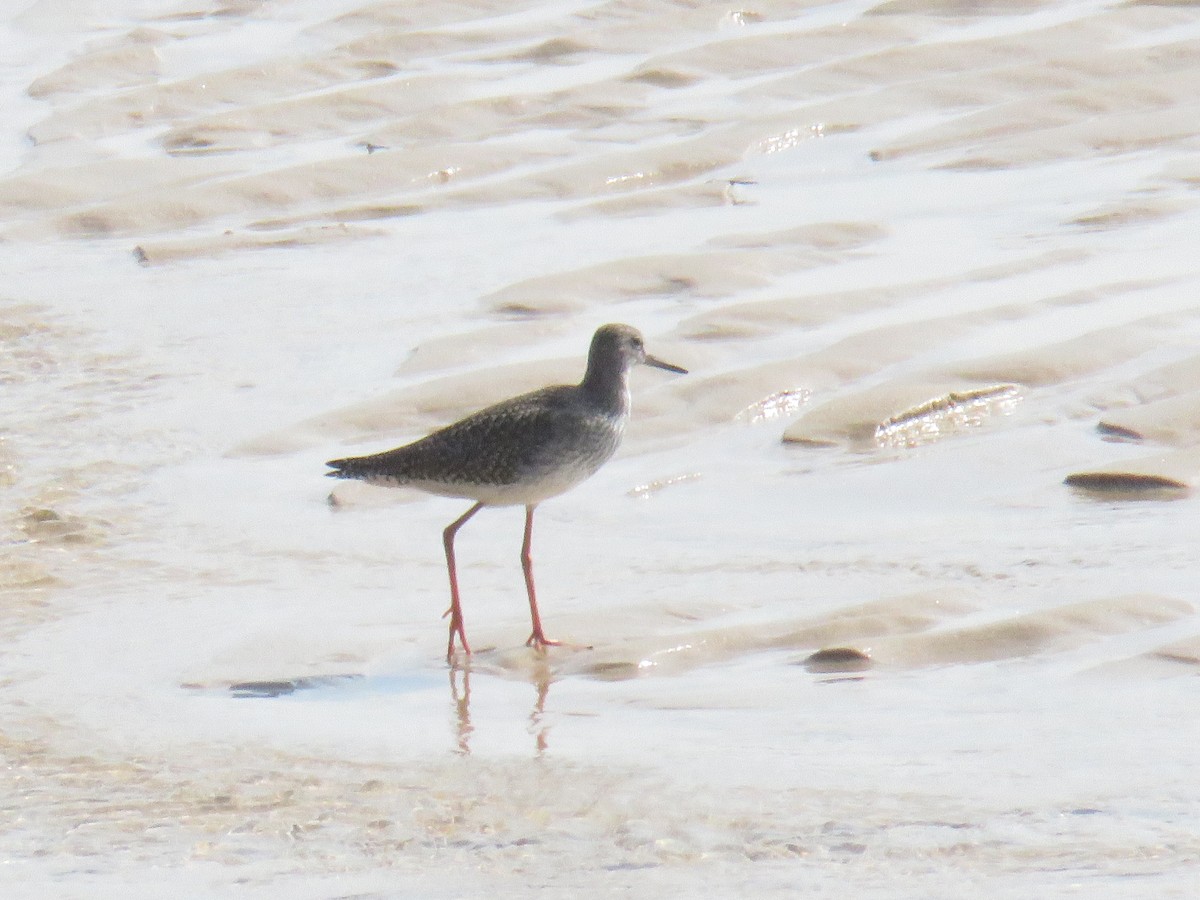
(933,270)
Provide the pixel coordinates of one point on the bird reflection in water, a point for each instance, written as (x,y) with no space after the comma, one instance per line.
(460,700)
(462,710)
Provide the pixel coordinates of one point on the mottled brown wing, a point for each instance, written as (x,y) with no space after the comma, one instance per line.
(501,445)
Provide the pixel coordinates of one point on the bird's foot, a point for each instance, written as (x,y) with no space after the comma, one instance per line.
(450,650)
(541,642)
(456,628)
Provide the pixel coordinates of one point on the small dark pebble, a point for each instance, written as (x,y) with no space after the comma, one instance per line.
(1128,485)
(837,659)
(1113,432)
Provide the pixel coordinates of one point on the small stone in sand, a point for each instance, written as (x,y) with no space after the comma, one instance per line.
(837,659)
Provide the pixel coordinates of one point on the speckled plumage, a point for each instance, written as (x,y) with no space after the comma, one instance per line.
(519,451)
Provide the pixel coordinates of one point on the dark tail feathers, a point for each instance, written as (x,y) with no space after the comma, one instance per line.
(351,467)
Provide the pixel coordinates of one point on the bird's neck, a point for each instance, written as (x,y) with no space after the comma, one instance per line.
(607,387)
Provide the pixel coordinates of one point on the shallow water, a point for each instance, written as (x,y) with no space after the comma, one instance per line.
(924,263)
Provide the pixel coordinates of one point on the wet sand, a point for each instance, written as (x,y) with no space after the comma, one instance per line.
(932,269)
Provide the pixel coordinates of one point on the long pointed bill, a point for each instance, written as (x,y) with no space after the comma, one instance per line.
(659,364)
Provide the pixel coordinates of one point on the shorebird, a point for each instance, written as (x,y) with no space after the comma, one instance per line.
(518,452)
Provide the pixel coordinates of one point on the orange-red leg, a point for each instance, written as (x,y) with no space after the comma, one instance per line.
(455,610)
(538,638)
